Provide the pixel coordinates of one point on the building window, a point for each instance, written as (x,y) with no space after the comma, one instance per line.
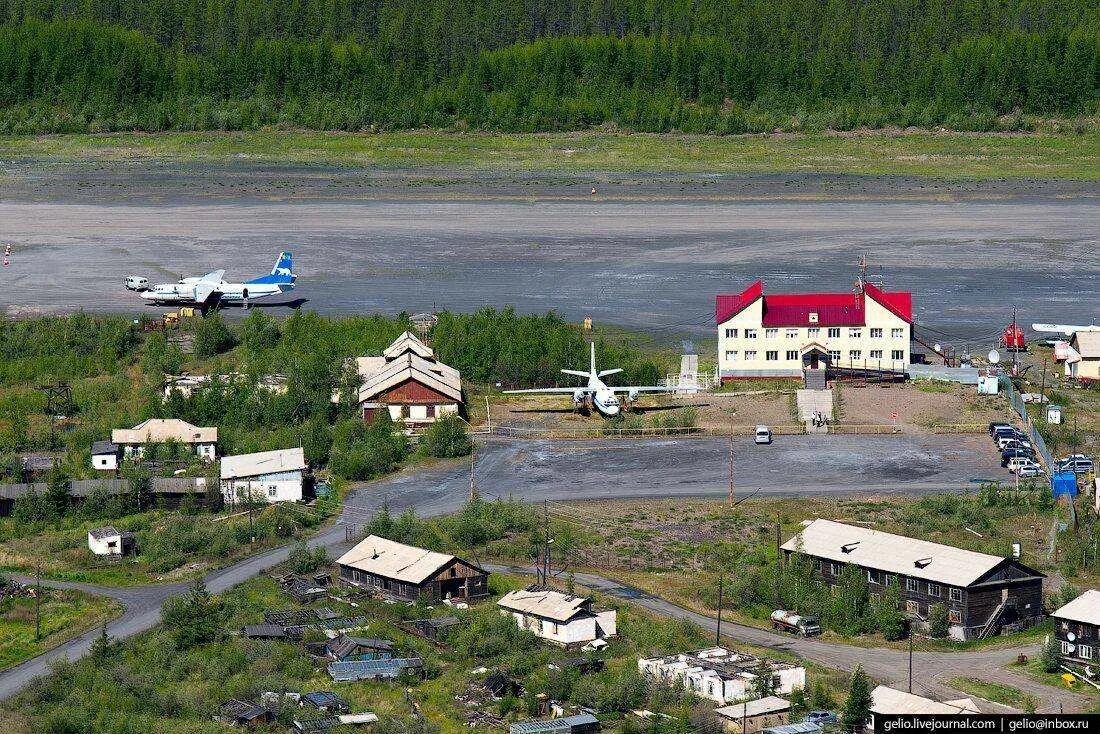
(731,356)
(272,491)
(872,577)
(771,333)
(834,569)
(1067,648)
(813,317)
(430,411)
(813,333)
(1084,652)
(912,585)
(792,333)
(891,579)
(897,354)
(954,616)
(750,355)
(855,354)
(792,355)
(834,333)
(876,333)
(912,607)
(750,333)
(955,594)
(855,333)
(834,355)
(772,355)
(731,333)
(934,590)
(897,333)
(876,354)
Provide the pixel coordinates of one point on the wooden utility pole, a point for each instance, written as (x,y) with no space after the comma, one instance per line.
(718,632)
(473,485)
(38,601)
(910,661)
(729,497)
(778,561)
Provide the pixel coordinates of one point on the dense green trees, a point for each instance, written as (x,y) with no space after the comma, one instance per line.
(711,66)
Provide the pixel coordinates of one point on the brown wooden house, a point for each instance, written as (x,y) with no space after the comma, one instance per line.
(409,382)
(983,594)
(409,573)
(1077,628)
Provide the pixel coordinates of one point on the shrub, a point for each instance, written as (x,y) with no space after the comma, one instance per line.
(937,621)
(447,438)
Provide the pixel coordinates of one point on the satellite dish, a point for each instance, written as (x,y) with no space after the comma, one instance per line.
(994,356)
(937,347)
(1071,637)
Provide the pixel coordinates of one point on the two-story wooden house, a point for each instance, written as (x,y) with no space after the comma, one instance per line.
(982,593)
(1077,628)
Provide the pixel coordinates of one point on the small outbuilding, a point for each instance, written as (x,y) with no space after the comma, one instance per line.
(109,541)
(266,476)
(326,701)
(242,713)
(558,617)
(409,573)
(346,647)
(105,456)
(576,724)
(750,717)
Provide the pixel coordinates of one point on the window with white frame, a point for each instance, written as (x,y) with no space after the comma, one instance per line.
(750,355)
(772,355)
(891,579)
(954,616)
(855,354)
(876,333)
(872,576)
(731,333)
(955,594)
(834,333)
(813,317)
(912,585)
(897,333)
(855,333)
(912,607)
(1084,652)
(792,333)
(834,569)
(1067,648)
(731,355)
(771,333)
(897,354)
(792,355)
(876,354)
(750,333)
(813,333)
(934,590)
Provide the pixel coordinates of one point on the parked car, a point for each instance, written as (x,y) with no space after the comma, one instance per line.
(997,425)
(763,434)
(1014,465)
(1011,445)
(1030,470)
(1010,454)
(1014,442)
(1001,433)
(1078,464)
(821,718)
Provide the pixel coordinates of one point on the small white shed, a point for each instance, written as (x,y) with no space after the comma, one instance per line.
(105,456)
(109,541)
(1054,415)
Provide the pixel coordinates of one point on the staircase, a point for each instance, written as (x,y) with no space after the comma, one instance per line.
(815,408)
(993,618)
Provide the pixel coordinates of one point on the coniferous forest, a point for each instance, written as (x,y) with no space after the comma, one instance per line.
(707,66)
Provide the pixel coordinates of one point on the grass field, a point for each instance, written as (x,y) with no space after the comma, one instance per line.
(65,614)
(934,154)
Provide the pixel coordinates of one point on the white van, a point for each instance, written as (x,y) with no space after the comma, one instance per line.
(763,434)
(137,283)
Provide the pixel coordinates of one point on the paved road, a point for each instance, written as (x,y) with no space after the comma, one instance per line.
(534,470)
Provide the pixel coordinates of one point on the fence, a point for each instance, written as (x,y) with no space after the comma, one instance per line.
(1020,407)
(517,431)
(83,487)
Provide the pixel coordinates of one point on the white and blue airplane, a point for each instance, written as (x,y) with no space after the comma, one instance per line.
(211,290)
(603,396)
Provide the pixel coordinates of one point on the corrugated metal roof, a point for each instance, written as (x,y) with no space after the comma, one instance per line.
(886,700)
(898,554)
(1085,608)
(832,309)
(363,669)
(757,707)
(263,462)
(159,430)
(394,560)
(435,375)
(408,342)
(545,603)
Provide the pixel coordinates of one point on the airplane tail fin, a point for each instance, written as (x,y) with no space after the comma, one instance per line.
(282,273)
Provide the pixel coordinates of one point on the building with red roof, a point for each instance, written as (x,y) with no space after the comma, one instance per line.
(784,334)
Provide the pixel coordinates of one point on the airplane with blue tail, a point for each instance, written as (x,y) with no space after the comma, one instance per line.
(212,290)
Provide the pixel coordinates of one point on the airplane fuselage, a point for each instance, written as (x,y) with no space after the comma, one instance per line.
(184,293)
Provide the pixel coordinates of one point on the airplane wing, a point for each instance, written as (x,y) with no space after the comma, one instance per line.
(204,290)
(649,388)
(547,390)
(214,277)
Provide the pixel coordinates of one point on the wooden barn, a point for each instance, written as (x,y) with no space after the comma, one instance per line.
(409,573)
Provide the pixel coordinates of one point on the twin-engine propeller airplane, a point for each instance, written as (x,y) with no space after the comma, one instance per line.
(602,396)
(211,290)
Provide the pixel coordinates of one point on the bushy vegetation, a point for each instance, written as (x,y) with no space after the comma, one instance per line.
(498,64)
